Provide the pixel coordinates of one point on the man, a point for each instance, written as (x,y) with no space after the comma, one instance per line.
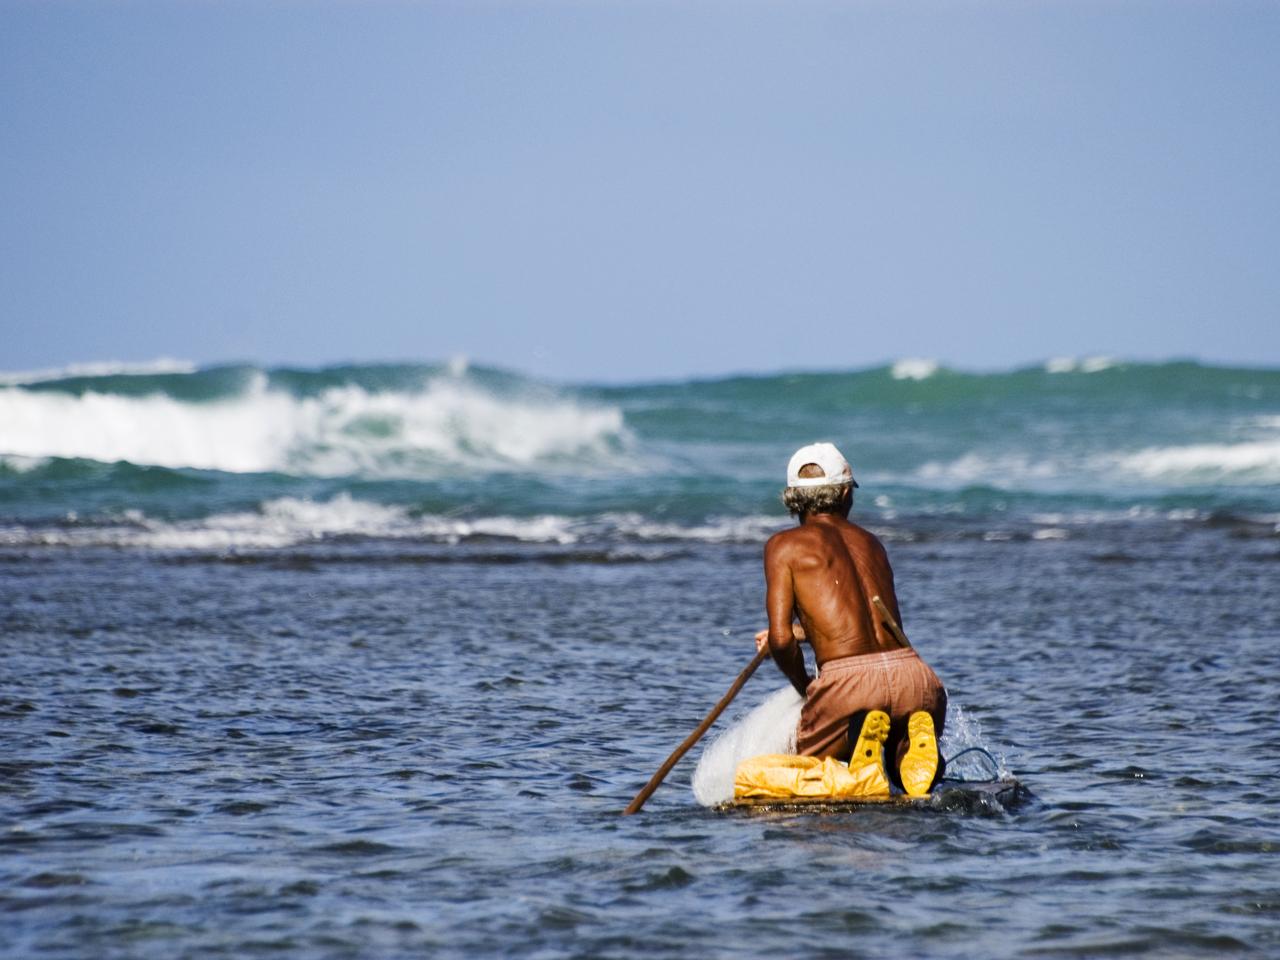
(825,572)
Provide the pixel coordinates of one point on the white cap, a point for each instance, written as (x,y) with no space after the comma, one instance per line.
(835,468)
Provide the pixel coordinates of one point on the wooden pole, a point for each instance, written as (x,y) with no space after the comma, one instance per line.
(635,805)
(891,623)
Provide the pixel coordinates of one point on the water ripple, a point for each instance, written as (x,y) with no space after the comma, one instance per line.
(349,759)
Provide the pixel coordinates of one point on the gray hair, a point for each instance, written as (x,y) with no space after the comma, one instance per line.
(828,498)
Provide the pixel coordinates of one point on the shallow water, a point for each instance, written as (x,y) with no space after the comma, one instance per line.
(357,748)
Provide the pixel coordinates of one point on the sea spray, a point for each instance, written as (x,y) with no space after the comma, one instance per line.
(449,425)
(964,732)
(769,728)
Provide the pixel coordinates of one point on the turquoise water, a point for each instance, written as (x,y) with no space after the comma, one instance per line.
(424,450)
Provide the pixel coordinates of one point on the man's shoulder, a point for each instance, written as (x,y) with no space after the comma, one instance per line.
(796,539)
(777,540)
(784,541)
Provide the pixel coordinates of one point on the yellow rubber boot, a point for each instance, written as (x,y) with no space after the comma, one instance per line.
(920,763)
(867,760)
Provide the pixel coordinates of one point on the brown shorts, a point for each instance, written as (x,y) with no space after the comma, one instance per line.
(897,682)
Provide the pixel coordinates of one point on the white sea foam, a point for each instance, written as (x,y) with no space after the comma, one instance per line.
(547,528)
(1077,365)
(913,368)
(1250,462)
(769,728)
(749,529)
(20,464)
(277,523)
(1086,518)
(1050,533)
(290,521)
(1003,471)
(449,426)
(108,368)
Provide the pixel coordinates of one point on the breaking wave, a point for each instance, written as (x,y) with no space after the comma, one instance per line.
(1209,463)
(1246,463)
(696,459)
(1079,365)
(449,424)
(912,368)
(105,368)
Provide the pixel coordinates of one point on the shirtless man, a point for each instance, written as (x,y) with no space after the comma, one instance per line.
(825,572)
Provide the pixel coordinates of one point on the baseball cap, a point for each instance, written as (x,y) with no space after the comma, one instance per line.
(835,468)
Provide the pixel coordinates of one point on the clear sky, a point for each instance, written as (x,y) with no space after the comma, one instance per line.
(628,190)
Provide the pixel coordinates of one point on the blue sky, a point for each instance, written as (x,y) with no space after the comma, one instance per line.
(604,191)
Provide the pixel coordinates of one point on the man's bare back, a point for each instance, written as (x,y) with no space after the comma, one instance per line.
(825,572)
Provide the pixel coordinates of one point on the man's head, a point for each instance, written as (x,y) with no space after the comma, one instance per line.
(819,480)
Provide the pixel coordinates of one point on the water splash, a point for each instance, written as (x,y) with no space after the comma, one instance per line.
(962,732)
(769,728)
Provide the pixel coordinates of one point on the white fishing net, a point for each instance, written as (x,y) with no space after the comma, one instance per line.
(769,728)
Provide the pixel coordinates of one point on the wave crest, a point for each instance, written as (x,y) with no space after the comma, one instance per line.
(105,368)
(913,368)
(451,424)
(1250,462)
(1095,364)
(1246,463)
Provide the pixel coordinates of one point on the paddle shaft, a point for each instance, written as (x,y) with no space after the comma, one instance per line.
(891,623)
(635,805)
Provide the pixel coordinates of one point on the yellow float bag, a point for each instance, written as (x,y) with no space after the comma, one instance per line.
(782,776)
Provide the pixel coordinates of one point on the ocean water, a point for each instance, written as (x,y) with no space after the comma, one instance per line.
(365,661)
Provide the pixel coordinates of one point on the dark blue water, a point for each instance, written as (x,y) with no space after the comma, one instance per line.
(353,746)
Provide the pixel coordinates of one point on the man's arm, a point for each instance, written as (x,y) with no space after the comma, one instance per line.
(780,605)
(797,631)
